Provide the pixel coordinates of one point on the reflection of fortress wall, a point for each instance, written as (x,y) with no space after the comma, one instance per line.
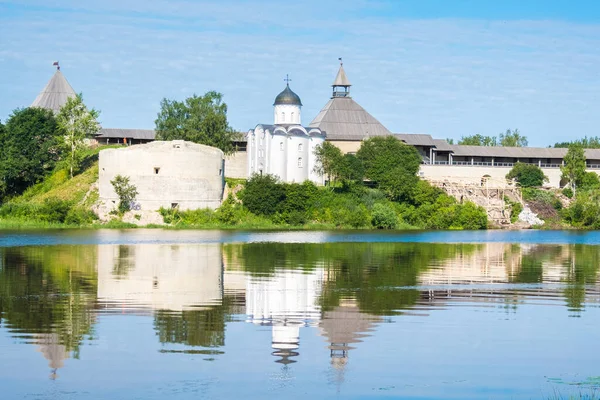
(492,262)
(161,276)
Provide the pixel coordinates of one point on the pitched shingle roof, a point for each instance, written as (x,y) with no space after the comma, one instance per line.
(416,139)
(344,119)
(144,134)
(55,94)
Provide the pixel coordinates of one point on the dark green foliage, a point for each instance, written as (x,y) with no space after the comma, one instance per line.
(515,209)
(589,180)
(584,212)
(384,217)
(125,191)
(30,148)
(262,194)
(352,169)
(380,155)
(568,192)
(528,175)
(478,140)
(197,119)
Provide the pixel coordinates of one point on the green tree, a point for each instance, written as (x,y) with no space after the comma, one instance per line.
(478,140)
(512,139)
(126,192)
(528,175)
(573,169)
(351,169)
(77,124)
(392,164)
(29,149)
(199,119)
(587,143)
(328,161)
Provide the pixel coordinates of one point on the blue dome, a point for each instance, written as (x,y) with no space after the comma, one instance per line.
(287,97)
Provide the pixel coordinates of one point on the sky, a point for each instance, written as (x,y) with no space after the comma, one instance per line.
(442,67)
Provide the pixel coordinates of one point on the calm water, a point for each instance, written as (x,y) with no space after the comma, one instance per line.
(197,314)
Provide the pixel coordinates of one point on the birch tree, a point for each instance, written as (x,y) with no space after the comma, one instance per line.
(77,124)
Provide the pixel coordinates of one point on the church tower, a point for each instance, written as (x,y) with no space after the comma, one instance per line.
(287,107)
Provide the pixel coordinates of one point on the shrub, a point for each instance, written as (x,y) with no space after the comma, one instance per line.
(383,217)
(80,216)
(589,180)
(470,216)
(125,191)
(230,211)
(262,194)
(568,192)
(528,175)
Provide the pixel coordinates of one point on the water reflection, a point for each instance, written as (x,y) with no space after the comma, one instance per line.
(52,296)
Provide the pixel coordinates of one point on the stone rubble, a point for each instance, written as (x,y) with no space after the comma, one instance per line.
(529,217)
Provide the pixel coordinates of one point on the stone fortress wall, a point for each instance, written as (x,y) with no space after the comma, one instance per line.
(175,174)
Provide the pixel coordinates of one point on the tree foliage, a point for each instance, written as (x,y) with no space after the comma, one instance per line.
(199,119)
(574,166)
(392,164)
(592,142)
(29,149)
(478,140)
(125,191)
(510,138)
(328,160)
(77,124)
(528,175)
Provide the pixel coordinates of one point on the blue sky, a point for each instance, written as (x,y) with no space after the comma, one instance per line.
(447,68)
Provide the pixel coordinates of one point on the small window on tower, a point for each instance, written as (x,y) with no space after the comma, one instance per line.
(156,170)
(282,117)
(299,162)
(292,116)
(300,147)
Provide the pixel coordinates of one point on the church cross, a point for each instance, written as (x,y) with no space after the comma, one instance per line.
(287,79)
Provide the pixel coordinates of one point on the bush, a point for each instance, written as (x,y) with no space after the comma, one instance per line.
(80,216)
(383,217)
(528,175)
(470,216)
(262,194)
(568,192)
(230,211)
(589,180)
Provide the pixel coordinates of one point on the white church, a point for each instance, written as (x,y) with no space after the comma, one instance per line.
(286,148)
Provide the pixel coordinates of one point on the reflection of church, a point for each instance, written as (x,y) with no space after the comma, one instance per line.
(286,302)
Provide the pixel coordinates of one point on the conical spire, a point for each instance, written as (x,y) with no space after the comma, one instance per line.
(341,84)
(55,94)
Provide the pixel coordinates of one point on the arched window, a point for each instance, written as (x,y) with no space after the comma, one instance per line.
(282,116)
(292,120)
(281,146)
(300,147)
(299,162)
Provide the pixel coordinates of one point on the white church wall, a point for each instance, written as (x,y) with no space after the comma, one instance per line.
(296,160)
(165,174)
(278,152)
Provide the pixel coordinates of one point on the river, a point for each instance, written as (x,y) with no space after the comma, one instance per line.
(153,314)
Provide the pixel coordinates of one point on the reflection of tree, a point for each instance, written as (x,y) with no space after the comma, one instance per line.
(204,328)
(125,261)
(365,271)
(49,291)
(582,269)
